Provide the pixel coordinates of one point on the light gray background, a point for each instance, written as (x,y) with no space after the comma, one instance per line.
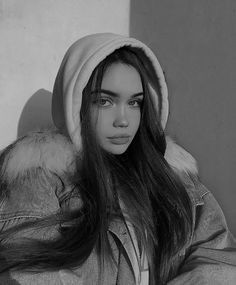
(195,42)
(34,36)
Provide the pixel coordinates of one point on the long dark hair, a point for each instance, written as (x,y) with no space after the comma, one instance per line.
(158,205)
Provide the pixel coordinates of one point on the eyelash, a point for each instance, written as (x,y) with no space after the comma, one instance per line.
(102,100)
(138,101)
(98,102)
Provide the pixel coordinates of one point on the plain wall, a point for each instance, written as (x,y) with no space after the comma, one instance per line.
(34,37)
(195,42)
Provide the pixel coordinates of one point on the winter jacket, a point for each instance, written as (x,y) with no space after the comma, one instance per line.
(209,256)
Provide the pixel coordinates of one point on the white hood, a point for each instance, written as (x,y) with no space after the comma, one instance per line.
(75,70)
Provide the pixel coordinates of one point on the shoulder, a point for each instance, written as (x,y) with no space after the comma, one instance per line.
(180,159)
(47,149)
(41,165)
(185,166)
(208,217)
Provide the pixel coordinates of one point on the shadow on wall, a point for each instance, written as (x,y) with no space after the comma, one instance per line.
(36,113)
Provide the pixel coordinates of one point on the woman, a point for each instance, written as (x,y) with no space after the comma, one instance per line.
(141,215)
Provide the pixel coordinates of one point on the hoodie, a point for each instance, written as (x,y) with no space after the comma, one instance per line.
(76,68)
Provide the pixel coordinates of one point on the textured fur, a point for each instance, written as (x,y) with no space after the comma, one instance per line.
(53,151)
(45,162)
(179,159)
(46,150)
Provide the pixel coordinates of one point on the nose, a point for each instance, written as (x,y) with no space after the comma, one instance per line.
(120,119)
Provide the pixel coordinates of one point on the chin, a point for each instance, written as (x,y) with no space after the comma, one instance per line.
(119,153)
(117,150)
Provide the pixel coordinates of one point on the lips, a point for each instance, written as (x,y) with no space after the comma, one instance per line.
(120,139)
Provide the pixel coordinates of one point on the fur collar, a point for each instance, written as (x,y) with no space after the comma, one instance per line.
(179,159)
(55,152)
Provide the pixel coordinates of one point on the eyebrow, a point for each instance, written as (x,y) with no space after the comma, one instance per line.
(113,94)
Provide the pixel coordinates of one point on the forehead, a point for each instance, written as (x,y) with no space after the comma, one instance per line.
(122,79)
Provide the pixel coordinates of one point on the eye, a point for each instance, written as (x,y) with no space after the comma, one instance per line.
(136,102)
(104,102)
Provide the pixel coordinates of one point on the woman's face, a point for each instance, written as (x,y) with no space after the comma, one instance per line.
(116,113)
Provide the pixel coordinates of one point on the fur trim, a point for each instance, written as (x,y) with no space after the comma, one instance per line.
(55,152)
(47,150)
(179,159)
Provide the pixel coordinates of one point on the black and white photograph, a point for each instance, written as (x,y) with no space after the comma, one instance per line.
(118,142)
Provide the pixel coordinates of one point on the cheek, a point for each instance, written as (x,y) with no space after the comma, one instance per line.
(103,120)
(102,124)
(135,118)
